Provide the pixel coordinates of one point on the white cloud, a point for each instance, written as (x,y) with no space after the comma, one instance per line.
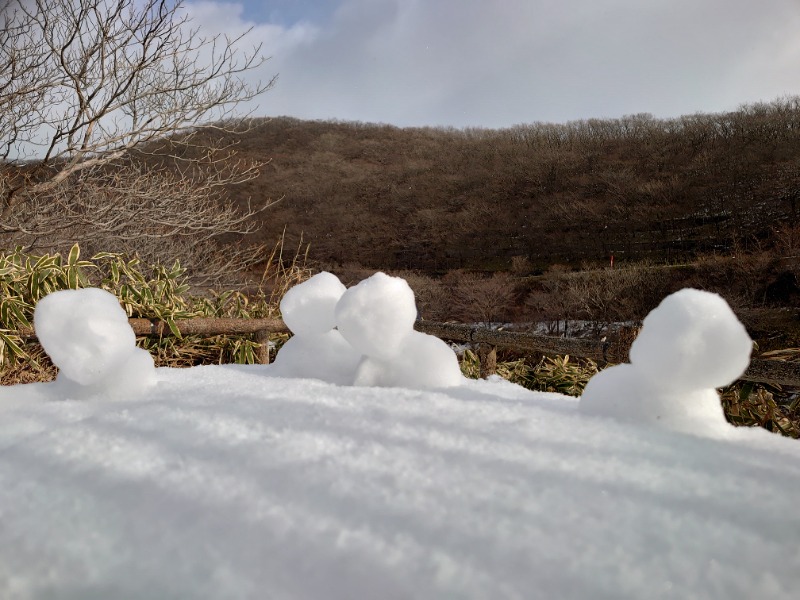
(277,42)
(473,62)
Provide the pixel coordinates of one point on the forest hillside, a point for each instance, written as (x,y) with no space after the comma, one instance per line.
(436,199)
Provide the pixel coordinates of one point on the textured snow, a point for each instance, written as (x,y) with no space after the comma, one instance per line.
(225,482)
(244,482)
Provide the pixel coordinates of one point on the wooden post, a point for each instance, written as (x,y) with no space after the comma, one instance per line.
(487,354)
(261,337)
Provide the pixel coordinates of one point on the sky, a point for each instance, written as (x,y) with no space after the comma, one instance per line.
(120,480)
(482,63)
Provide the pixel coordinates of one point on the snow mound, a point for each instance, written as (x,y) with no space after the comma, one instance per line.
(223,483)
(87,336)
(689,345)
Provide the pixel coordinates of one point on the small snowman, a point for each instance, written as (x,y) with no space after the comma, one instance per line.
(316,350)
(377,318)
(689,345)
(87,336)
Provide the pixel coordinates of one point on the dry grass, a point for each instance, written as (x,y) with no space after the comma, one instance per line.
(751,405)
(561,374)
(144,291)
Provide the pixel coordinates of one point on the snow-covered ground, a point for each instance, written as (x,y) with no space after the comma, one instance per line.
(225,482)
(119,481)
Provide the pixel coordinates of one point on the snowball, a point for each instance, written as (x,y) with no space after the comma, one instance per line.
(85,333)
(423,362)
(692,340)
(376,315)
(308,308)
(624,393)
(326,356)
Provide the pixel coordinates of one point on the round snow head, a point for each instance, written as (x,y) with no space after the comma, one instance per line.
(85,333)
(308,308)
(692,340)
(376,315)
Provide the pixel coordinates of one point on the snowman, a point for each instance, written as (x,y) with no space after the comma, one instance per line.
(316,350)
(689,345)
(377,318)
(87,336)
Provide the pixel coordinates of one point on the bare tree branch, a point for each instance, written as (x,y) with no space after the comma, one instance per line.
(101,102)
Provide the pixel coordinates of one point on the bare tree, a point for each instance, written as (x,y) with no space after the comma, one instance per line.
(104,105)
(485,299)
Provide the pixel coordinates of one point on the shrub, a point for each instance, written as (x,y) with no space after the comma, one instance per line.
(560,374)
(145,291)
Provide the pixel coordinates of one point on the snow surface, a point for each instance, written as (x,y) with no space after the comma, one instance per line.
(232,482)
(225,482)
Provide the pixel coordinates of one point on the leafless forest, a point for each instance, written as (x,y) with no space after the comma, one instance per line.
(442,199)
(523,222)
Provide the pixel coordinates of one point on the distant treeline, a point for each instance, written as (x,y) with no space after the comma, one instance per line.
(437,199)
